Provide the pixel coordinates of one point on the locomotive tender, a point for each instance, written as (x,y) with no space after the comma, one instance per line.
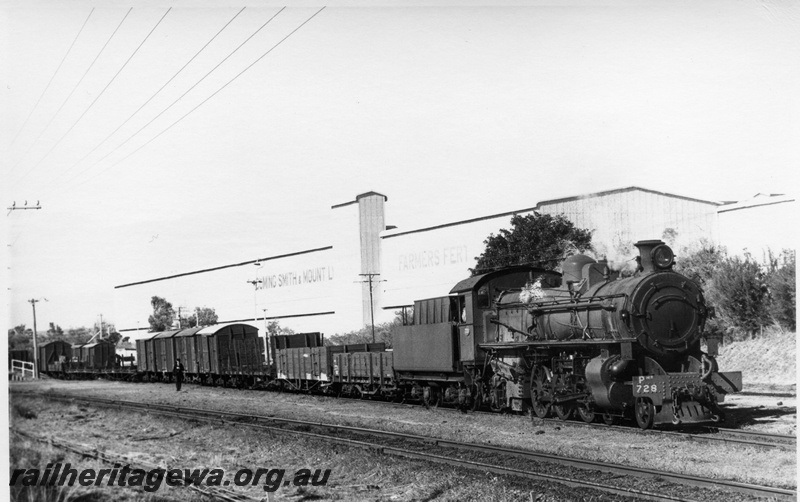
(585,341)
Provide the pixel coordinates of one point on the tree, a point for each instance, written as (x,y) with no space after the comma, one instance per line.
(113,337)
(20,338)
(78,335)
(541,240)
(782,283)
(208,317)
(383,332)
(55,331)
(739,292)
(275,329)
(163,314)
(700,261)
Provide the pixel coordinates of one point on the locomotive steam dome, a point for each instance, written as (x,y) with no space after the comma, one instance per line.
(667,310)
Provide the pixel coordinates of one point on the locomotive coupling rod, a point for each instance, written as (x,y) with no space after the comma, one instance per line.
(567,398)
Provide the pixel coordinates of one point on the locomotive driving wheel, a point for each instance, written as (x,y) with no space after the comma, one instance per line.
(539,380)
(564,410)
(610,419)
(645,412)
(585,412)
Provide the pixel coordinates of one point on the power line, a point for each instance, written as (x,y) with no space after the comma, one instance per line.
(47,126)
(104,88)
(154,94)
(53,77)
(181,96)
(214,94)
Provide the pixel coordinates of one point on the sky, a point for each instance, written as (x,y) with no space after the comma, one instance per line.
(165,137)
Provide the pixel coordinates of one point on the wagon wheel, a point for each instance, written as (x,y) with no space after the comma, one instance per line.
(433,399)
(585,413)
(538,392)
(564,410)
(645,412)
(609,419)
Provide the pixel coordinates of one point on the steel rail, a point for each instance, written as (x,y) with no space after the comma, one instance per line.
(208,415)
(766,440)
(712,434)
(237,418)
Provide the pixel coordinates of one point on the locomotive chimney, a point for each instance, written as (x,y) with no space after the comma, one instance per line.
(646,255)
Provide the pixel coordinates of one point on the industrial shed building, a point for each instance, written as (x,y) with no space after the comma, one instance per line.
(327,288)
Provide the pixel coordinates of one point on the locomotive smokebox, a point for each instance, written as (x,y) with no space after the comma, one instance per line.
(654,256)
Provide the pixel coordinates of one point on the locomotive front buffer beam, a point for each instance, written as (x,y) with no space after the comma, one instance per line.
(682,398)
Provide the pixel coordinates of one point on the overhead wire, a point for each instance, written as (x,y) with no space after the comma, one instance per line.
(102,91)
(75,87)
(179,97)
(36,105)
(156,93)
(217,91)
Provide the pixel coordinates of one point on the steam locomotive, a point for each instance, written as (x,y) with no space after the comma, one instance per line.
(585,341)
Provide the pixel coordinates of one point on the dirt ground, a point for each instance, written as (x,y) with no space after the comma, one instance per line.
(774,414)
(355,474)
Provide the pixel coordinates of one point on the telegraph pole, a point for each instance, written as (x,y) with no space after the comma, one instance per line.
(33,301)
(371,307)
(255,283)
(266,336)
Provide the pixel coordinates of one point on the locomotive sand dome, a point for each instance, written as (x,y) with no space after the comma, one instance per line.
(599,343)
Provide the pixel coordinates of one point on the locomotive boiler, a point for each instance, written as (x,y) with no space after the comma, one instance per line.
(600,344)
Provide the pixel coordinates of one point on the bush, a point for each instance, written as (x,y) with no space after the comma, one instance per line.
(747,295)
(700,262)
(781,280)
(383,333)
(739,293)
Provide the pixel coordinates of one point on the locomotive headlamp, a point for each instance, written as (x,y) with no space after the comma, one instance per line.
(662,255)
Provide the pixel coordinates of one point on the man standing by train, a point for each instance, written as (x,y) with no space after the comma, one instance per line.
(177,370)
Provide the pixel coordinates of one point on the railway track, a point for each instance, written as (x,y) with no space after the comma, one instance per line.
(465,455)
(698,433)
(703,433)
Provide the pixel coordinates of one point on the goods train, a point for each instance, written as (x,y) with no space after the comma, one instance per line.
(583,342)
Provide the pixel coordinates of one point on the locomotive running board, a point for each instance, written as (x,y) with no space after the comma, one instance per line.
(549,343)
